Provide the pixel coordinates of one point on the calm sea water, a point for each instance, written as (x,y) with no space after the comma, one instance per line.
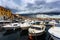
(13,35)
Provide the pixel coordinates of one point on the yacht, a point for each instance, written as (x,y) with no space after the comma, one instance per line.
(36,29)
(55,32)
(11,26)
(52,22)
(24,25)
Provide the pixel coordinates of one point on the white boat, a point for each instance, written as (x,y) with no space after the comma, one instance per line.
(36,29)
(55,32)
(11,26)
(53,22)
(24,25)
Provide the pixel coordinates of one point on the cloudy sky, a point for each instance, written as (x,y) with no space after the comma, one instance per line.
(32,6)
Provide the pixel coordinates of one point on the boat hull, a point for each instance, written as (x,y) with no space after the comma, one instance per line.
(24,28)
(37,34)
(55,38)
(9,28)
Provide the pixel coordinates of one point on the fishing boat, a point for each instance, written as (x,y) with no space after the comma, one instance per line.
(55,32)
(36,29)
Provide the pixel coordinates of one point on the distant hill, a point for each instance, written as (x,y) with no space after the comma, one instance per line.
(50,13)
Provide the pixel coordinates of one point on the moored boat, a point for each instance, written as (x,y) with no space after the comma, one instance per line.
(24,25)
(11,26)
(55,32)
(36,29)
(52,22)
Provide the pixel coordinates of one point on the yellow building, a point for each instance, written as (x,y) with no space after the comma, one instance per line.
(5,13)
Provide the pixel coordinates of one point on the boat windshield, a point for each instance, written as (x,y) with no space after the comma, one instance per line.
(36,28)
(36,23)
(15,25)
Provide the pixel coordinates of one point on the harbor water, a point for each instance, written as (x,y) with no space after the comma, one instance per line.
(18,35)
